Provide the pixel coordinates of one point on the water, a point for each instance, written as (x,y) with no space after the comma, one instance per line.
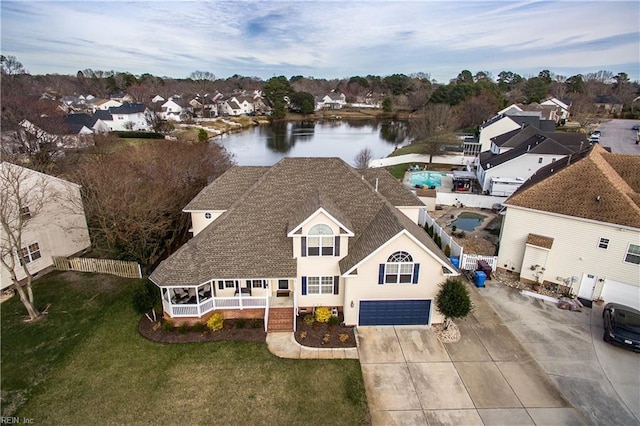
(468,221)
(267,144)
(428,179)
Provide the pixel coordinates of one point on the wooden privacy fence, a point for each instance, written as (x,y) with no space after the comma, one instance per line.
(120,268)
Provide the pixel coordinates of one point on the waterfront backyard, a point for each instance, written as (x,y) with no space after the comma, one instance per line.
(86,360)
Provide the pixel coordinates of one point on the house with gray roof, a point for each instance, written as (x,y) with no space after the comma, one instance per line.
(276,242)
(576,223)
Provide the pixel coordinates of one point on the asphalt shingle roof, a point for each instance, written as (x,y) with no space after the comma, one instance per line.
(250,239)
(593,184)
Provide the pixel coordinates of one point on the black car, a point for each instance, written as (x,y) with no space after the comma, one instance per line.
(622,326)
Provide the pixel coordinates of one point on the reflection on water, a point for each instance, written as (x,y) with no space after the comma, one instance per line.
(267,144)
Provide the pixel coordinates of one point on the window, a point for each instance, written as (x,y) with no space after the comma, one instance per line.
(25,213)
(539,160)
(320,241)
(633,254)
(30,253)
(603,243)
(320,285)
(207,215)
(399,268)
(222,284)
(257,283)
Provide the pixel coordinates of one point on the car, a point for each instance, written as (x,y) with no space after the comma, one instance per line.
(635,127)
(622,326)
(596,133)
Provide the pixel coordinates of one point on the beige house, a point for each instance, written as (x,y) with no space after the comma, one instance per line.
(577,224)
(276,242)
(54,222)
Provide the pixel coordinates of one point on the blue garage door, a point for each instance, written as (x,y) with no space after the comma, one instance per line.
(394,312)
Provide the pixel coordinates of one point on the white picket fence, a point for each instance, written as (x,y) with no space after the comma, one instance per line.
(120,268)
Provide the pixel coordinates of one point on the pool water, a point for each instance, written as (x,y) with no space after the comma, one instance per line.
(468,221)
(427,179)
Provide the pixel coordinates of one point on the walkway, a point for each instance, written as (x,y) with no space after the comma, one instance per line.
(284,345)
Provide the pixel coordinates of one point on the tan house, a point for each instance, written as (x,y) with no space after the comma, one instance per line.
(54,222)
(275,242)
(576,223)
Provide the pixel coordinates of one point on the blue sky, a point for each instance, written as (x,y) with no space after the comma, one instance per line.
(323,39)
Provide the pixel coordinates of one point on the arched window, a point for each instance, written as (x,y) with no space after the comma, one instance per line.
(320,241)
(399,268)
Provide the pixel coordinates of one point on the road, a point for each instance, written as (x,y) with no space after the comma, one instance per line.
(617,135)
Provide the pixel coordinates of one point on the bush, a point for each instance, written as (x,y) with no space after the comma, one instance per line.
(203,135)
(308,319)
(198,327)
(139,135)
(453,299)
(241,323)
(145,297)
(255,323)
(447,250)
(184,328)
(216,322)
(343,337)
(334,320)
(323,314)
(167,326)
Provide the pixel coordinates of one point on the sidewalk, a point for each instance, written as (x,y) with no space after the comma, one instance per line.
(284,345)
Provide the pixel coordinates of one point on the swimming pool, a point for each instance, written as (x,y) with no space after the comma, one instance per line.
(427,179)
(468,221)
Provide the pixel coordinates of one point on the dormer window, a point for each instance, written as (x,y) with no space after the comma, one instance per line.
(320,241)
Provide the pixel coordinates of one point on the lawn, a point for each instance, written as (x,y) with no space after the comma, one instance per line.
(86,360)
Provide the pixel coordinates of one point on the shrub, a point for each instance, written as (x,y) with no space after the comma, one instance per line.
(343,337)
(308,319)
(447,250)
(326,338)
(303,335)
(323,314)
(255,323)
(145,297)
(167,326)
(241,323)
(139,135)
(453,299)
(216,322)
(198,327)
(203,135)
(334,320)
(184,327)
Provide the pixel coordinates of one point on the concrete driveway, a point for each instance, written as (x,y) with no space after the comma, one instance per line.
(600,380)
(411,378)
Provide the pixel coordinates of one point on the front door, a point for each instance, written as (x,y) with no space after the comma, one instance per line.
(587,286)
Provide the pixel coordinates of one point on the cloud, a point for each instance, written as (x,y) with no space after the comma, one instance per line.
(324,39)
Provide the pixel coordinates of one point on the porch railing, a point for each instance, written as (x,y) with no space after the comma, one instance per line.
(197,310)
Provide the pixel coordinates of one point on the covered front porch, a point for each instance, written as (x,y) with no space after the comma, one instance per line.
(195,301)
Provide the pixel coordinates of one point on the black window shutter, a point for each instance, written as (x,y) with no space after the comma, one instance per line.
(336,248)
(416,271)
(304,246)
(304,286)
(381,274)
(220,285)
(336,284)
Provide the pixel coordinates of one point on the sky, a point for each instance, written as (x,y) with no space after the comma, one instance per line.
(323,39)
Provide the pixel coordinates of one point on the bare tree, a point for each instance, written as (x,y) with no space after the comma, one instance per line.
(434,128)
(584,111)
(24,195)
(363,158)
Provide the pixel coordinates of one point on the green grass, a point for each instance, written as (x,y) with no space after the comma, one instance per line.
(92,364)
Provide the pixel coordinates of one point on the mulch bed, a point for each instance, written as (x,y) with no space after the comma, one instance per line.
(319,335)
(231,331)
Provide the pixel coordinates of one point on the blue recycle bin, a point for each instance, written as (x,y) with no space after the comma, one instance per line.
(480,278)
(455,261)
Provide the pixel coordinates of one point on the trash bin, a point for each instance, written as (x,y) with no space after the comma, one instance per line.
(455,261)
(480,278)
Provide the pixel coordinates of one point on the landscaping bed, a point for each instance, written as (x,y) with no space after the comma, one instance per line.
(324,335)
(241,330)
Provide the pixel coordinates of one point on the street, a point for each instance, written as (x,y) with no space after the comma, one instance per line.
(618,135)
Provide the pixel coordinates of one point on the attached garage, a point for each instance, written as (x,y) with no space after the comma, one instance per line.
(394,312)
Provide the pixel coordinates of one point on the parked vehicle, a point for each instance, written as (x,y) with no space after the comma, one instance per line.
(622,326)
(635,127)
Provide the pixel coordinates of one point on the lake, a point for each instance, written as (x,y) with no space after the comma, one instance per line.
(267,144)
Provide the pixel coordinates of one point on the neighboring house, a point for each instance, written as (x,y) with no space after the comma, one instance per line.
(105,104)
(57,228)
(331,101)
(562,107)
(305,233)
(237,105)
(175,109)
(157,99)
(608,104)
(516,155)
(129,116)
(71,132)
(577,223)
(208,110)
(512,119)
